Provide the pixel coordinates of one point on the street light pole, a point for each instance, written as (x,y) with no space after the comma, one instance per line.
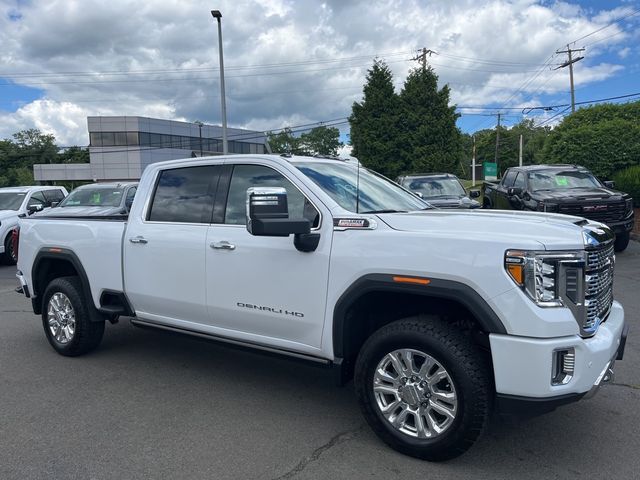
(225,147)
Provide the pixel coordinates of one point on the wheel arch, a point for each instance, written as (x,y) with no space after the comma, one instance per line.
(54,262)
(375,300)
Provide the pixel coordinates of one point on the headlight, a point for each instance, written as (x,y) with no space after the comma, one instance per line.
(628,206)
(547,207)
(539,274)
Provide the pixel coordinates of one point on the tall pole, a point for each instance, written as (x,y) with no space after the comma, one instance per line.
(497,138)
(520,154)
(473,163)
(569,64)
(223,104)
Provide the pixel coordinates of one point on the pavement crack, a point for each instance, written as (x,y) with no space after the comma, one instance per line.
(318,452)
(627,385)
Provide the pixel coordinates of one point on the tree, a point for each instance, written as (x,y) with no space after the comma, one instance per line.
(318,141)
(73,155)
(533,139)
(374,123)
(604,138)
(321,141)
(430,139)
(284,142)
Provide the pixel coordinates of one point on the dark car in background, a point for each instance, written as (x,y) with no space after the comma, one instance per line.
(442,190)
(567,189)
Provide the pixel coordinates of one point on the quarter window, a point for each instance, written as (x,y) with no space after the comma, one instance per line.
(246,176)
(185,195)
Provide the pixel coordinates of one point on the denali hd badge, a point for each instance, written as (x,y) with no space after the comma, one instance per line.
(279,311)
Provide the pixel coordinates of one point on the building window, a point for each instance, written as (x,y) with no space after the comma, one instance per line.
(120,139)
(155,140)
(108,139)
(144,139)
(132,138)
(95,139)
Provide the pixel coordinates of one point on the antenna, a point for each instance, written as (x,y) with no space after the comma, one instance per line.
(358,187)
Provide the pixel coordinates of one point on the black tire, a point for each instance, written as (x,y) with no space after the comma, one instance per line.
(621,242)
(486,203)
(88,327)
(9,256)
(467,366)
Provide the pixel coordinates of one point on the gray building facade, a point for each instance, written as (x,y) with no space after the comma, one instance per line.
(122,147)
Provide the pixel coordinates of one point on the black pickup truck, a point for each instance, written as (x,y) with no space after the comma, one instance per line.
(568,189)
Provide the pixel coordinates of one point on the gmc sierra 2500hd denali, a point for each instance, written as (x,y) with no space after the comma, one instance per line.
(437,318)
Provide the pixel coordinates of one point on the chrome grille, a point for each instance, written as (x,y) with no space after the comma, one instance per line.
(598,286)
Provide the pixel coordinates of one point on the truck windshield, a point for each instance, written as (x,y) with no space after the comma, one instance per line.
(562,180)
(433,187)
(94,197)
(377,193)
(11,200)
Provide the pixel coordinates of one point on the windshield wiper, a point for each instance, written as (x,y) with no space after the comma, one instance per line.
(385,211)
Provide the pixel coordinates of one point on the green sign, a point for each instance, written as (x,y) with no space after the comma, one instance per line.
(490,170)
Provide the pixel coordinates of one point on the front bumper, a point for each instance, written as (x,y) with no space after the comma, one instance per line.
(623,226)
(523,366)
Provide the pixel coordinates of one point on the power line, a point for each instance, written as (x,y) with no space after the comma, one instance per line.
(631,14)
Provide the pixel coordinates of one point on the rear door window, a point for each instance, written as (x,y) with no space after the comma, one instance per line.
(185,195)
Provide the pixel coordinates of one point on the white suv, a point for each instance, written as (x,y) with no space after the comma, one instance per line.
(19,202)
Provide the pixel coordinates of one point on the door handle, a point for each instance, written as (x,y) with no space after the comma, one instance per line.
(138,239)
(223,245)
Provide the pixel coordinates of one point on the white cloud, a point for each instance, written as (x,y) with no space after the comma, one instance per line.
(624,52)
(178,40)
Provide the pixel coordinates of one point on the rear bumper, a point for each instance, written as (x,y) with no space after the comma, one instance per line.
(523,366)
(23,288)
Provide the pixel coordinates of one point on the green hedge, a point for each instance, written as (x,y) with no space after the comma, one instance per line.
(628,181)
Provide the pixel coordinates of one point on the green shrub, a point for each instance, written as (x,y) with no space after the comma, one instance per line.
(628,181)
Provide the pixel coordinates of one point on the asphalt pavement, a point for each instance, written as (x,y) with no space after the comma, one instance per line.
(150,405)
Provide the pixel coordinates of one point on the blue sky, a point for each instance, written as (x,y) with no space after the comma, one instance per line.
(296,62)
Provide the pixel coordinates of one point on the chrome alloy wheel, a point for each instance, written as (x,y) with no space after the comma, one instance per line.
(61,318)
(415,393)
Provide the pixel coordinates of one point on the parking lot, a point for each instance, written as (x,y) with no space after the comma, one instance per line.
(147,404)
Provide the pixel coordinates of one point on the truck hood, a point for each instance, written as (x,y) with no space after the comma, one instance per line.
(8,214)
(79,212)
(578,194)
(519,229)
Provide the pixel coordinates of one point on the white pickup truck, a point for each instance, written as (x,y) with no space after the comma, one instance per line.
(438,316)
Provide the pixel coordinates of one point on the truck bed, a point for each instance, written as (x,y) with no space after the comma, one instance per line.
(96,241)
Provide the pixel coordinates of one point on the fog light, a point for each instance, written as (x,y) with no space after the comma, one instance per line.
(564,362)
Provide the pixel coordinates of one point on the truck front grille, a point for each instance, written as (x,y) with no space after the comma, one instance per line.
(598,285)
(605,213)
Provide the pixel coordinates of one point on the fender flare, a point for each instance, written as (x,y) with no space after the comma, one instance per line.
(437,288)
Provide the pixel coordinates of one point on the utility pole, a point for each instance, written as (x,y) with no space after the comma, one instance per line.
(497,137)
(569,64)
(422,57)
(473,163)
(520,155)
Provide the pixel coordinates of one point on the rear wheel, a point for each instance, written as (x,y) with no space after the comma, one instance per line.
(424,388)
(66,319)
(621,242)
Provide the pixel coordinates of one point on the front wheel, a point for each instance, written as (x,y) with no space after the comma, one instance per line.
(621,242)
(424,388)
(66,319)
(10,254)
